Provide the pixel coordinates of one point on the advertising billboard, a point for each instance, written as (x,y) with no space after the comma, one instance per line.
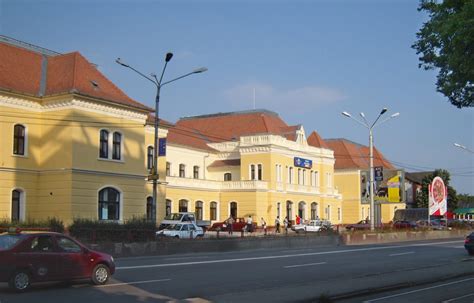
(389,186)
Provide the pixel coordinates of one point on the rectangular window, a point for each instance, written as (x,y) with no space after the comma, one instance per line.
(104,144)
(328,180)
(182,173)
(316,178)
(196,172)
(260,172)
(19,140)
(304,176)
(168,169)
(117,142)
(300,176)
(339,214)
(290,175)
(149,157)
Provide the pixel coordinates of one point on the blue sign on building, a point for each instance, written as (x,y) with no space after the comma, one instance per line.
(162,147)
(300,162)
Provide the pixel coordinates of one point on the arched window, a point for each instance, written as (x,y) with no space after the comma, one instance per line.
(16,206)
(117,146)
(109,204)
(198,210)
(168,207)
(19,140)
(314,211)
(183,206)
(149,157)
(104,144)
(289,209)
(227,177)
(301,209)
(233,209)
(213,211)
(182,173)
(149,208)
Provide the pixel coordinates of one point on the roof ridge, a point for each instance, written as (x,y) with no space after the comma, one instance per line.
(234,113)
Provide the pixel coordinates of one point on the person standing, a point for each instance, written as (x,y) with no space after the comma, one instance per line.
(230,228)
(249,224)
(277,224)
(298,220)
(285,223)
(264,226)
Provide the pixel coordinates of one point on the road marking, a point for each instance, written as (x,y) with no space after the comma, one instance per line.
(401,254)
(181,258)
(461,246)
(132,283)
(301,265)
(454,299)
(280,256)
(418,290)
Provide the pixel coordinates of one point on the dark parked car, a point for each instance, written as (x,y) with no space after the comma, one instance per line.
(361,225)
(238,225)
(401,224)
(469,244)
(27,257)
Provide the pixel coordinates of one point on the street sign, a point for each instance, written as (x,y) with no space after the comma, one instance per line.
(162,147)
(378,172)
(153,177)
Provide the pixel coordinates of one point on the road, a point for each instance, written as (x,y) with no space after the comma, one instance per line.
(299,275)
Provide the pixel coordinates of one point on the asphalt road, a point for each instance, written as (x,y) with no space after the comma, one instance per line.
(299,275)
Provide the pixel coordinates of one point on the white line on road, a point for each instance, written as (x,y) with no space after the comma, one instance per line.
(401,254)
(454,299)
(181,258)
(418,290)
(132,283)
(460,246)
(301,265)
(280,256)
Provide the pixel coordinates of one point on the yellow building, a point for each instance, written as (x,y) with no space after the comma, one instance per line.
(249,163)
(352,180)
(72,143)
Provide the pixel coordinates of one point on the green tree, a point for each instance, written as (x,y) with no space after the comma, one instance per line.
(422,197)
(446,42)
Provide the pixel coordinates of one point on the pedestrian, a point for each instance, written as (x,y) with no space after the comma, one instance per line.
(298,220)
(285,223)
(264,226)
(249,224)
(230,222)
(277,224)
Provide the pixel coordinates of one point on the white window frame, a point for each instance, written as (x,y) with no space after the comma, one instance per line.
(25,147)
(120,220)
(22,203)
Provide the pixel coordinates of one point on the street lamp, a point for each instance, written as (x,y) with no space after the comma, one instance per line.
(463,147)
(158,83)
(365,123)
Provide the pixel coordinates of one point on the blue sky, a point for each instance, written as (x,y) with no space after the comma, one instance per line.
(306,60)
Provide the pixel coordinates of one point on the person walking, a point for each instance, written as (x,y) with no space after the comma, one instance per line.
(298,220)
(285,223)
(249,224)
(277,225)
(264,226)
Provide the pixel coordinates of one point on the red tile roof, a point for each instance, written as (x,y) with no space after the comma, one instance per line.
(223,163)
(316,141)
(349,154)
(21,71)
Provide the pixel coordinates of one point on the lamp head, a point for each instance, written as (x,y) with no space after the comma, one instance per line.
(199,70)
(384,110)
(119,61)
(362,115)
(168,57)
(346,114)
(395,115)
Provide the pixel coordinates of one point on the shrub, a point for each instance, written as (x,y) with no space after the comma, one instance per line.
(50,224)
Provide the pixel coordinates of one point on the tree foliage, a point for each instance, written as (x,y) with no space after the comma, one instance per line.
(446,42)
(422,197)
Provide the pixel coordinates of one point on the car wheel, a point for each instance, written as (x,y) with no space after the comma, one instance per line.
(177,237)
(100,274)
(20,281)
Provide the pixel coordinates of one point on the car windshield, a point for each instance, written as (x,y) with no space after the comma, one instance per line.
(8,241)
(175,217)
(174,227)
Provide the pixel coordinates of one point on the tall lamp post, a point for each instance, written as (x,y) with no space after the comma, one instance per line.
(464,147)
(153,176)
(365,123)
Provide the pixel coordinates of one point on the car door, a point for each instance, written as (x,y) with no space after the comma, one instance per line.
(192,231)
(184,232)
(73,260)
(42,256)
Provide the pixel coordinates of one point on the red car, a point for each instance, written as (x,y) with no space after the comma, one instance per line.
(237,226)
(402,224)
(47,256)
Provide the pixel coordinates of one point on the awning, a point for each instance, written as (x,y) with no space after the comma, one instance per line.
(464,211)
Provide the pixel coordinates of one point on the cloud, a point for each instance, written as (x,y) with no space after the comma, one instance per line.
(269,97)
